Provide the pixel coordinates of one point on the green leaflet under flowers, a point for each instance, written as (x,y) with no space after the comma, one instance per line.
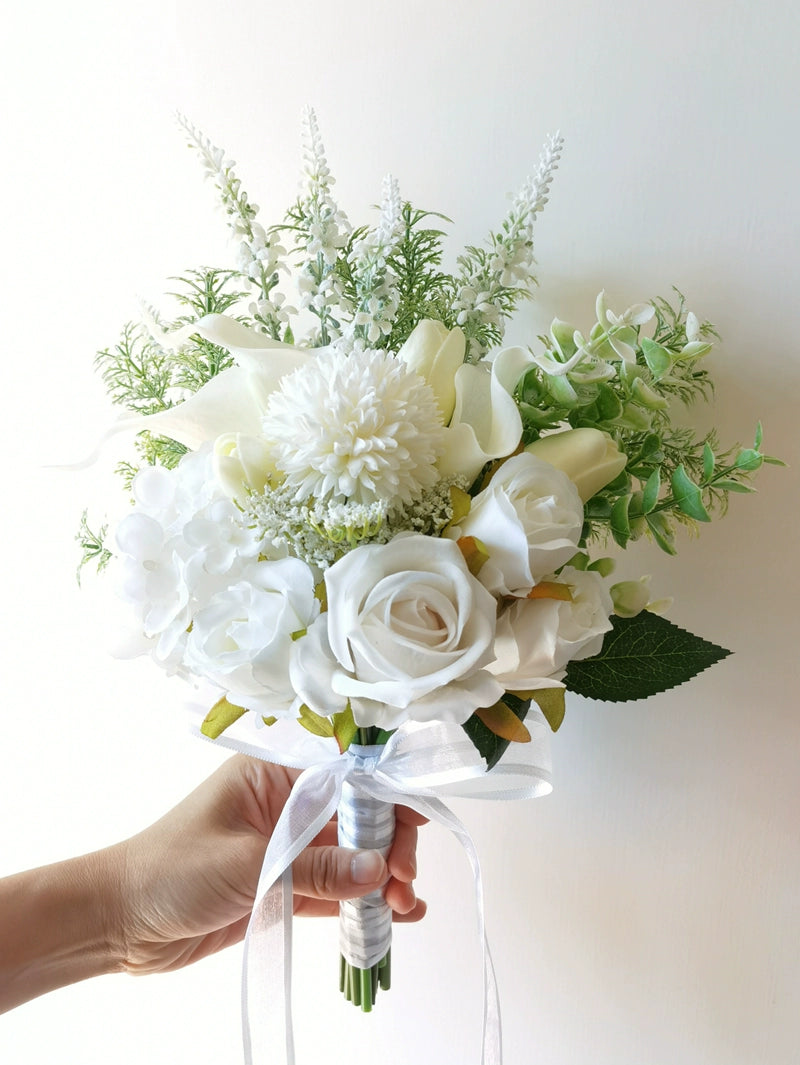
(641,656)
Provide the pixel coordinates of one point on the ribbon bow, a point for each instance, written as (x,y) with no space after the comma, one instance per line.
(417,766)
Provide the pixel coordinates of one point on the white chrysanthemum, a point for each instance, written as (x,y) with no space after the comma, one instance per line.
(358,427)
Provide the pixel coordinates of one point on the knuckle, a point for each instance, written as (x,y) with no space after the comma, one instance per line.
(324,873)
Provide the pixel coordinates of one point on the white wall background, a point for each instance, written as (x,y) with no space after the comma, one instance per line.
(646,911)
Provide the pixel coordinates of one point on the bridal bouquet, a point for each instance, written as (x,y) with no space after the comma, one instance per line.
(358,515)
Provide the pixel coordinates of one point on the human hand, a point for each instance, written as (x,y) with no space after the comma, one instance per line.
(186,885)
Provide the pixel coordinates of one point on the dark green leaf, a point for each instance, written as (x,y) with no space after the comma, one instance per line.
(651,448)
(640,657)
(489,746)
(609,405)
(597,508)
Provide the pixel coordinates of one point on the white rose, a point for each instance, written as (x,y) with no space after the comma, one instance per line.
(537,638)
(242,639)
(436,353)
(407,635)
(590,458)
(529,518)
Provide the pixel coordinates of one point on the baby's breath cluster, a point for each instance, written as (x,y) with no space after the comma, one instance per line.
(321,533)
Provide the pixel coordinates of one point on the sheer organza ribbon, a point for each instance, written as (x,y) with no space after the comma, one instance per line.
(417,767)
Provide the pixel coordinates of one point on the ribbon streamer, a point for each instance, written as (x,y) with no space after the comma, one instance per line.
(420,764)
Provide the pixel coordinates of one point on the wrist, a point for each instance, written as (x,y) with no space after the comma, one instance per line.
(59,924)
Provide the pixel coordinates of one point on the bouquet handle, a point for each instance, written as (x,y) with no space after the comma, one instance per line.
(365,924)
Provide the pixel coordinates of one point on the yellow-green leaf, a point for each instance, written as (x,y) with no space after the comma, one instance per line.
(474,552)
(503,722)
(461,502)
(552,703)
(550,590)
(221,716)
(344,727)
(315,723)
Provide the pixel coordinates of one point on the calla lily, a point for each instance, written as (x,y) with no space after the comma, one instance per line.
(436,353)
(235,399)
(486,423)
(231,402)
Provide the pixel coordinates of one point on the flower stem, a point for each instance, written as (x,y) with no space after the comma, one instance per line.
(361,986)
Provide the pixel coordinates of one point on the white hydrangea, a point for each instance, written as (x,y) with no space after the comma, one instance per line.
(184,541)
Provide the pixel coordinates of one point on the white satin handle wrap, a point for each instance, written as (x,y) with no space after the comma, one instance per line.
(419,764)
(365,924)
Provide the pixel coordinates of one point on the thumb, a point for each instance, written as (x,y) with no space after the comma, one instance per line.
(338,872)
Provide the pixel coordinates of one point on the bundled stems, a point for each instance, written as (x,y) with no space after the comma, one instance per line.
(360,986)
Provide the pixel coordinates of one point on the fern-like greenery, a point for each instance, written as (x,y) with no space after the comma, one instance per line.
(92,545)
(423,290)
(137,372)
(144,375)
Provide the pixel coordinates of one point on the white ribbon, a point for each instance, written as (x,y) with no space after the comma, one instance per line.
(419,764)
(364,823)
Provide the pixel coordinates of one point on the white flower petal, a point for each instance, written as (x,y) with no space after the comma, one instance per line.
(486,423)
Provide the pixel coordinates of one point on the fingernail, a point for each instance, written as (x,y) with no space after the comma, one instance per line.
(366,867)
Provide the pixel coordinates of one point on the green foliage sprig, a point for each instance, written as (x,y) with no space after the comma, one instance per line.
(626,383)
(92,545)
